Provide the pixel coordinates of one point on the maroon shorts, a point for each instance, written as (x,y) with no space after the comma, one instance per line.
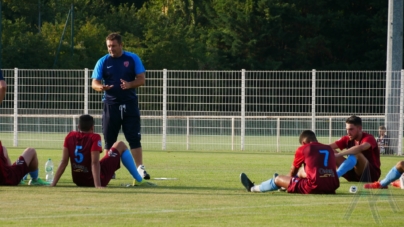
(110,163)
(12,175)
(371,174)
(302,186)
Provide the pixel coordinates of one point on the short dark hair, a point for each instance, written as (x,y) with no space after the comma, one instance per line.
(355,120)
(115,36)
(308,136)
(86,122)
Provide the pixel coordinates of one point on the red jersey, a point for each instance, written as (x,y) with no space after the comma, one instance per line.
(319,164)
(3,164)
(80,146)
(372,154)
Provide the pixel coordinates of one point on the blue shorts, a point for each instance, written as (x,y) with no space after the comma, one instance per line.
(126,116)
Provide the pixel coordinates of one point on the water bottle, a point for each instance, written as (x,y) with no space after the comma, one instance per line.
(49,170)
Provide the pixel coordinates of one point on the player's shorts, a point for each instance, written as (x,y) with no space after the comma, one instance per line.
(371,174)
(302,186)
(126,116)
(110,163)
(12,175)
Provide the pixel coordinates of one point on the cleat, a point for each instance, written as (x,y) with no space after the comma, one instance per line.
(38,182)
(396,183)
(143,173)
(246,182)
(143,183)
(374,185)
(399,183)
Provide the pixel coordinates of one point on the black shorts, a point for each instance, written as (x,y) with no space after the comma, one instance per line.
(125,116)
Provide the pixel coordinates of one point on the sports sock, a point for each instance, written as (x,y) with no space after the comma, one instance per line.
(255,188)
(391,176)
(347,165)
(130,165)
(34,174)
(268,185)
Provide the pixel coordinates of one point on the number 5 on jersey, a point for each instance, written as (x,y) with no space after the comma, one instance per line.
(79,156)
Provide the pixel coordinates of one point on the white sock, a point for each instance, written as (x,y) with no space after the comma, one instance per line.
(255,188)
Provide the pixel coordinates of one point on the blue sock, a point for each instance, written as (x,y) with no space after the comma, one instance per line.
(130,165)
(347,165)
(391,176)
(34,174)
(268,185)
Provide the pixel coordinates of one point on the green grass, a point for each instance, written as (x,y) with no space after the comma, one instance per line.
(207,192)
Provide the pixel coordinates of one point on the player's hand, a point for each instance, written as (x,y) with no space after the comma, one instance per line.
(107,87)
(125,84)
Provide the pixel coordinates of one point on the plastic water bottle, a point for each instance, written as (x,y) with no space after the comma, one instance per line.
(49,170)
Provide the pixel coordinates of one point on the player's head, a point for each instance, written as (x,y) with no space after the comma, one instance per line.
(86,123)
(114,45)
(354,127)
(382,130)
(307,136)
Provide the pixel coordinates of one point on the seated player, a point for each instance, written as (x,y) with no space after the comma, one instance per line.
(319,167)
(394,174)
(383,141)
(11,175)
(363,156)
(83,148)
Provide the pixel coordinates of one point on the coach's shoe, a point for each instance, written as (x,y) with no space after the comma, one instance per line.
(142,171)
(143,183)
(38,182)
(374,185)
(246,182)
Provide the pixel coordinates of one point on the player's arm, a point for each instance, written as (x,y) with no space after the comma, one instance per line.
(3,88)
(139,81)
(98,86)
(96,168)
(334,146)
(293,171)
(5,153)
(62,166)
(354,150)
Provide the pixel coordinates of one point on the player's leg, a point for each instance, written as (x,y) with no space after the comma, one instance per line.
(131,128)
(127,160)
(394,174)
(345,165)
(31,160)
(111,124)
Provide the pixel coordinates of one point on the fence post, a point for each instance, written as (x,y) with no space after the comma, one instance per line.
(232,133)
(15,130)
(187,133)
(164,136)
(278,133)
(400,125)
(86,91)
(313,100)
(242,108)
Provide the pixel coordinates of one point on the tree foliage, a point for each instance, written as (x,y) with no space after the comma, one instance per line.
(199,34)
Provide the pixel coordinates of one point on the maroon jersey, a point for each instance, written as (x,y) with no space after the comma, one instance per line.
(80,146)
(372,154)
(11,175)
(319,164)
(3,164)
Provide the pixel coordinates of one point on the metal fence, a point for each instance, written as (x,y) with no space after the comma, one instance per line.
(203,110)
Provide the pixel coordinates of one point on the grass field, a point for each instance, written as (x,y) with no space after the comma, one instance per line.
(206,192)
